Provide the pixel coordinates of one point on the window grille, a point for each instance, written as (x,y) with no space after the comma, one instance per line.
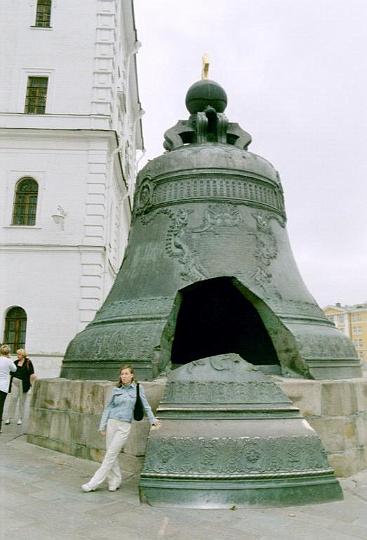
(43,13)
(15,328)
(35,101)
(25,202)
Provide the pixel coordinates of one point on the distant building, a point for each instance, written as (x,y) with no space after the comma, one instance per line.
(70,125)
(352,320)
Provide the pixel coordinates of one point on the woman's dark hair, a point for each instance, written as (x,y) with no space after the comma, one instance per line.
(131,369)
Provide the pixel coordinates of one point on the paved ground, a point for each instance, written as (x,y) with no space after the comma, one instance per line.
(40,499)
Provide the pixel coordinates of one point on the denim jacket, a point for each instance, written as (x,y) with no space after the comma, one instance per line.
(121,405)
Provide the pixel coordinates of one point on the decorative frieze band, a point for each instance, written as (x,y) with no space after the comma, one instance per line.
(212,188)
(136,308)
(231,392)
(101,343)
(201,456)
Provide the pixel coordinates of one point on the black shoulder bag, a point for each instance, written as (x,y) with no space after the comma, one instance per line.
(138,408)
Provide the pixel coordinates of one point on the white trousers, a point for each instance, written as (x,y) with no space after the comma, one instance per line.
(17,396)
(116,437)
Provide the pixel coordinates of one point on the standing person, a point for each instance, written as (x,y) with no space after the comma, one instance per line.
(6,366)
(117,416)
(20,383)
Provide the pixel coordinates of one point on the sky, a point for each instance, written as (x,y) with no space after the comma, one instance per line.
(295,73)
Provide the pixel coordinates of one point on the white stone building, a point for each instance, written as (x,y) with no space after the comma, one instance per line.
(70,126)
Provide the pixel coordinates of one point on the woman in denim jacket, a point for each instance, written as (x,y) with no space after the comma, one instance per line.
(116,424)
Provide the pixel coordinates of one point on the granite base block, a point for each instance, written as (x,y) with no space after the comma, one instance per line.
(65,414)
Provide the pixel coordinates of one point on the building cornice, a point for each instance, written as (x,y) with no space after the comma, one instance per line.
(22,247)
(347,309)
(55,121)
(39,132)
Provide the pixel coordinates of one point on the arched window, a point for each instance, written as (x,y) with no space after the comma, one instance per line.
(15,328)
(25,202)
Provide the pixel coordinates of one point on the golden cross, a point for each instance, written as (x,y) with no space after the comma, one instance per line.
(205,69)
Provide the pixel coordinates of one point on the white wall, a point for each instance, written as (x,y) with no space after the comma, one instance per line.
(64,52)
(60,273)
(61,269)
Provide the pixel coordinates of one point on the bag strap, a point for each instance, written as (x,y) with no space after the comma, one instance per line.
(137,391)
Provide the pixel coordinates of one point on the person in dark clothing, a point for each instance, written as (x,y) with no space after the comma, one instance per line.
(20,383)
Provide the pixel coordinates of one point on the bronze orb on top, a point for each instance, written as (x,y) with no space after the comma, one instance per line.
(203,94)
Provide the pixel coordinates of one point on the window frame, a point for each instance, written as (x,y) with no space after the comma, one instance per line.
(20,332)
(25,73)
(13,177)
(28,216)
(37,97)
(40,14)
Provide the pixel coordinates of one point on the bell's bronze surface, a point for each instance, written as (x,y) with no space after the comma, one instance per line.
(208,269)
(230,436)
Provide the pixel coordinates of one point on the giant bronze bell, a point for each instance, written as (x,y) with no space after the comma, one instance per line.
(208,269)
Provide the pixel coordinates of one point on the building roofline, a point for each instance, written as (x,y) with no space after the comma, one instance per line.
(353,307)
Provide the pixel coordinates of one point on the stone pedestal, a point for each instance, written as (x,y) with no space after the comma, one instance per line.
(65,416)
(337,410)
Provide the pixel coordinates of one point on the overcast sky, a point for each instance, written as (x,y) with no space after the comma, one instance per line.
(295,73)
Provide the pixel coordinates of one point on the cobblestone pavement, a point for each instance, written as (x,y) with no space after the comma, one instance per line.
(40,499)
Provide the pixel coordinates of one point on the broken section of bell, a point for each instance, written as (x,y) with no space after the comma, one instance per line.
(230,436)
